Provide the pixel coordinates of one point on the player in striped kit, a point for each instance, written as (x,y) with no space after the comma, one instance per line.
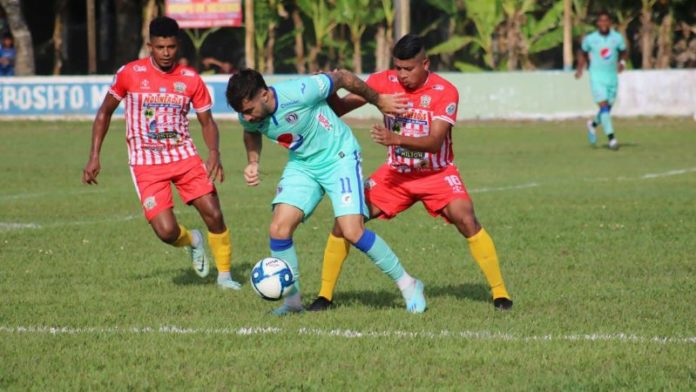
(419,165)
(158,94)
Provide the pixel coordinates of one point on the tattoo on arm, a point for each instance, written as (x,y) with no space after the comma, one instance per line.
(352,83)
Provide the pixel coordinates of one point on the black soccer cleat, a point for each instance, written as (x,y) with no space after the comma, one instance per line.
(320,304)
(502,303)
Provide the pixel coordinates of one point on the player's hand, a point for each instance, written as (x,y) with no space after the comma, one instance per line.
(91,171)
(620,67)
(251,174)
(578,73)
(392,103)
(214,166)
(380,134)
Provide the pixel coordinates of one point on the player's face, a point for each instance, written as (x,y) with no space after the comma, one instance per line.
(257,108)
(603,24)
(412,73)
(163,51)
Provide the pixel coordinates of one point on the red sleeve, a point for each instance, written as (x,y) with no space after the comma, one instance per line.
(446,107)
(119,86)
(201,97)
(376,81)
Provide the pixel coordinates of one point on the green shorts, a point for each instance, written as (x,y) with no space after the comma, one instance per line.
(304,187)
(603,90)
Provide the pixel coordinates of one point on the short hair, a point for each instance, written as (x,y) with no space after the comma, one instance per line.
(245,84)
(408,47)
(164,26)
(605,13)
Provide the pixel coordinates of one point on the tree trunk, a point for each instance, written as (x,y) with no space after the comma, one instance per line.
(91,38)
(105,33)
(250,56)
(381,61)
(128,25)
(24,62)
(647,36)
(447,59)
(664,42)
(270,45)
(357,55)
(514,40)
(567,35)
(149,12)
(402,18)
(58,24)
(299,42)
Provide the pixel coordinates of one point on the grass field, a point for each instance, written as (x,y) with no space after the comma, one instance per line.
(598,249)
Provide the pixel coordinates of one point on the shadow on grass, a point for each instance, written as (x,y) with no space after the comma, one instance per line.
(188,277)
(470,291)
(605,146)
(392,298)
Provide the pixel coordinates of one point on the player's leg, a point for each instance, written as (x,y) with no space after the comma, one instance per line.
(285,220)
(152,183)
(611,89)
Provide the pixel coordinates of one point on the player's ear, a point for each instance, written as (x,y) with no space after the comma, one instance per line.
(426,64)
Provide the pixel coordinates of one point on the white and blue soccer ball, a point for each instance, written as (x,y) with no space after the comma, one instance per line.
(272,278)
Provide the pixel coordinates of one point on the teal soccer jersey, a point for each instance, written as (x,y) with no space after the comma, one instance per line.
(603,51)
(304,123)
(324,154)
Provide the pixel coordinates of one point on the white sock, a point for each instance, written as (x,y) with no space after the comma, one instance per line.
(406,281)
(224,276)
(294,300)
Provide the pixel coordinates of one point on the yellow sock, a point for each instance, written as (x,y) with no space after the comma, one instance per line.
(483,250)
(334,255)
(184,237)
(221,249)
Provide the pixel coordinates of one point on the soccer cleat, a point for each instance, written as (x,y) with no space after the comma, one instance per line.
(415,303)
(502,303)
(613,144)
(591,132)
(285,310)
(319,304)
(228,284)
(200,261)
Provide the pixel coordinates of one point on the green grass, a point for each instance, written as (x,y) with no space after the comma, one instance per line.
(599,260)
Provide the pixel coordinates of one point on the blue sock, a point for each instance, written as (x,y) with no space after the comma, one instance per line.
(605,117)
(379,252)
(285,249)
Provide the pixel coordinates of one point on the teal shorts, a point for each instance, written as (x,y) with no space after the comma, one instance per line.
(342,181)
(603,90)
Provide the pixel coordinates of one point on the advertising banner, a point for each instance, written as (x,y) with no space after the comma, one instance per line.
(202,14)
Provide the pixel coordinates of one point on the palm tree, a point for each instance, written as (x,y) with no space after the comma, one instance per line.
(323,19)
(357,15)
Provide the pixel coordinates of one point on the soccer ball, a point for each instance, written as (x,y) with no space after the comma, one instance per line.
(272,278)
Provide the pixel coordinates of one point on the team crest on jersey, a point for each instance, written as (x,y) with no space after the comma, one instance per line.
(605,53)
(139,68)
(439,87)
(179,87)
(291,118)
(393,79)
(290,141)
(425,101)
(149,203)
(145,84)
(347,199)
(451,108)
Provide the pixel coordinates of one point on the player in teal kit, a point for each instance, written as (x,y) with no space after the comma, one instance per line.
(607,56)
(324,158)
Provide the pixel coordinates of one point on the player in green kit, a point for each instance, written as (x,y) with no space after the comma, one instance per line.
(607,56)
(324,159)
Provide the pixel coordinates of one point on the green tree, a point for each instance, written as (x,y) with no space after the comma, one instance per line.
(323,21)
(357,15)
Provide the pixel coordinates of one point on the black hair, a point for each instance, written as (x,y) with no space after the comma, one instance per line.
(164,26)
(605,13)
(7,34)
(245,84)
(408,47)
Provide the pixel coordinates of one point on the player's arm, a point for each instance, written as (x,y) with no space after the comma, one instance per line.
(346,104)
(211,136)
(431,143)
(252,144)
(582,63)
(99,129)
(387,103)
(623,56)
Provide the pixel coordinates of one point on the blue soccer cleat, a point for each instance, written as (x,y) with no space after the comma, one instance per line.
(415,303)
(198,257)
(591,132)
(285,310)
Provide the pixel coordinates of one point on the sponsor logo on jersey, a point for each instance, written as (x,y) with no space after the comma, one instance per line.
(605,53)
(179,87)
(139,68)
(188,72)
(393,79)
(145,84)
(324,122)
(347,199)
(370,183)
(279,189)
(425,101)
(163,101)
(302,88)
(439,87)
(149,203)
(405,153)
(291,118)
(289,103)
(451,108)
(290,141)
(162,135)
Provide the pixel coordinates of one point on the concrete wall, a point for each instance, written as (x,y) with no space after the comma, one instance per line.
(500,95)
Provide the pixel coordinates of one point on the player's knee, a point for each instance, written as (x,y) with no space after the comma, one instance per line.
(467,224)
(168,234)
(353,234)
(215,220)
(280,230)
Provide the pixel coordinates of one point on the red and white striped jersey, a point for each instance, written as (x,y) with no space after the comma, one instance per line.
(156,108)
(437,99)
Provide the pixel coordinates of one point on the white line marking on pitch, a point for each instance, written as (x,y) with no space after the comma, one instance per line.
(346,333)
(7,226)
(668,173)
(28,195)
(505,188)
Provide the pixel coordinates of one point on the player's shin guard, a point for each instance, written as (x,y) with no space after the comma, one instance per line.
(379,252)
(285,249)
(334,255)
(184,238)
(605,116)
(222,249)
(483,250)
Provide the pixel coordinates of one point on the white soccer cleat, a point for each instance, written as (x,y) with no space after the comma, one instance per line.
(228,284)
(198,257)
(613,144)
(591,132)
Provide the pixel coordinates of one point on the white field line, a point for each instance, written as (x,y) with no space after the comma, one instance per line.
(346,333)
(505,188)
(8,226)
(668,173)
(52,194)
